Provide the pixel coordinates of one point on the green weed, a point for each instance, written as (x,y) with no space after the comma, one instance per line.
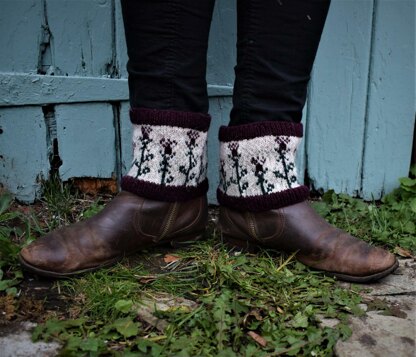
(10,273)
(391,223)
(59,200)
(238,296)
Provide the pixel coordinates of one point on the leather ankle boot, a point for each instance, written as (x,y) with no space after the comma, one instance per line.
(319,245)
(163,200)
(128,224)
(263,205)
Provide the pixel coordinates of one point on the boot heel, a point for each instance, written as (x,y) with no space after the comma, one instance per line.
(239,244)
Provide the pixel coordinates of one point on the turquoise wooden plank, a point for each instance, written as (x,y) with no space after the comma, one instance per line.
(337,98)
(86,140)
(82,36)
(301,158)
(126,133)
(25,89)
(391,105)
(121,48)
(220,108)
(21,31)
(222,48)
(23,151)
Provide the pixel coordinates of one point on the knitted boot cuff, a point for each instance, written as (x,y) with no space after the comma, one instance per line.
(169,155)
(257,166)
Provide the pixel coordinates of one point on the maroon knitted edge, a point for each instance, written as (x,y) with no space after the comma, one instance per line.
(163,193)
(264,202)
(197,121)
(255,130)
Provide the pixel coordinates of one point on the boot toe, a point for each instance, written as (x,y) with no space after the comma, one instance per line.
(44,254)
(383,260)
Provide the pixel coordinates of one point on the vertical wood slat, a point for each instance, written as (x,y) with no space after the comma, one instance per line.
(126,133)
(222,44)
(220,108)
(337,98)
(20,32)
(23,151)
(86,140)
(81,42)
(301,156)
(391,104)
(121,48)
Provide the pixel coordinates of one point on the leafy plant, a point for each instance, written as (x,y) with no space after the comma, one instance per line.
(10,274)
(240,300)
(391,223)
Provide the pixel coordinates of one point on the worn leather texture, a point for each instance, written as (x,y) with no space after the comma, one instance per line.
(129,223)
(298,228)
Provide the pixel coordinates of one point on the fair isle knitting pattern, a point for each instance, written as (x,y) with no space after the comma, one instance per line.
(257,166)
(169,155)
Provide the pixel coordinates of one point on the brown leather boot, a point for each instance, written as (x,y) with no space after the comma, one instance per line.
(264,205)
(319,245)
(129,223)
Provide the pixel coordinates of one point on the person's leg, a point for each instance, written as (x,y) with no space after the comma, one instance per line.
(167,45)
(164,192)
(262,203)
(276,47)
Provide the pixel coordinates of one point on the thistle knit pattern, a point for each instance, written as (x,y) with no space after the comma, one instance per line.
(257,166)
(169,155)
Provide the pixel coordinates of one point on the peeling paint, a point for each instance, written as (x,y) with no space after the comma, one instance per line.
(51,139)
(45,53)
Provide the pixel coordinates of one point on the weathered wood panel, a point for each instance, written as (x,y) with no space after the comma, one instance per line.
(26,89)
(337,98)
(301,156)
(126,133)
(121,48)
(21,33)
(86,140)
(391,104)
(23,151)
(220,108)
(81,36)
(222,44)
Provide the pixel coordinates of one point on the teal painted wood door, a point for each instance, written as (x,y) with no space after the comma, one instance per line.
(63,92)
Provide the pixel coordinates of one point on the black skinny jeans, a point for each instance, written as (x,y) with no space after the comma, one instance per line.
(277,41)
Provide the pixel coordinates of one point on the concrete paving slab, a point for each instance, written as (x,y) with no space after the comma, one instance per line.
(17,342)
(391,329)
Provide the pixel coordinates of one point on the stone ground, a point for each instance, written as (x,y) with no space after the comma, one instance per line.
(387,329)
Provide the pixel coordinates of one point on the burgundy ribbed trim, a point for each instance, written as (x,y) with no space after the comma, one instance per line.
(163,193)
(197,121)
(264,202)
(255,130)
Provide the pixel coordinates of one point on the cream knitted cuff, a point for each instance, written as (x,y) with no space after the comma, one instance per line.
(257,166)
(170,155)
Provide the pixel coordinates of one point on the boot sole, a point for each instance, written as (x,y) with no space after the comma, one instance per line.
(51,274)
(246,246)
(181,242)
(366,278)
